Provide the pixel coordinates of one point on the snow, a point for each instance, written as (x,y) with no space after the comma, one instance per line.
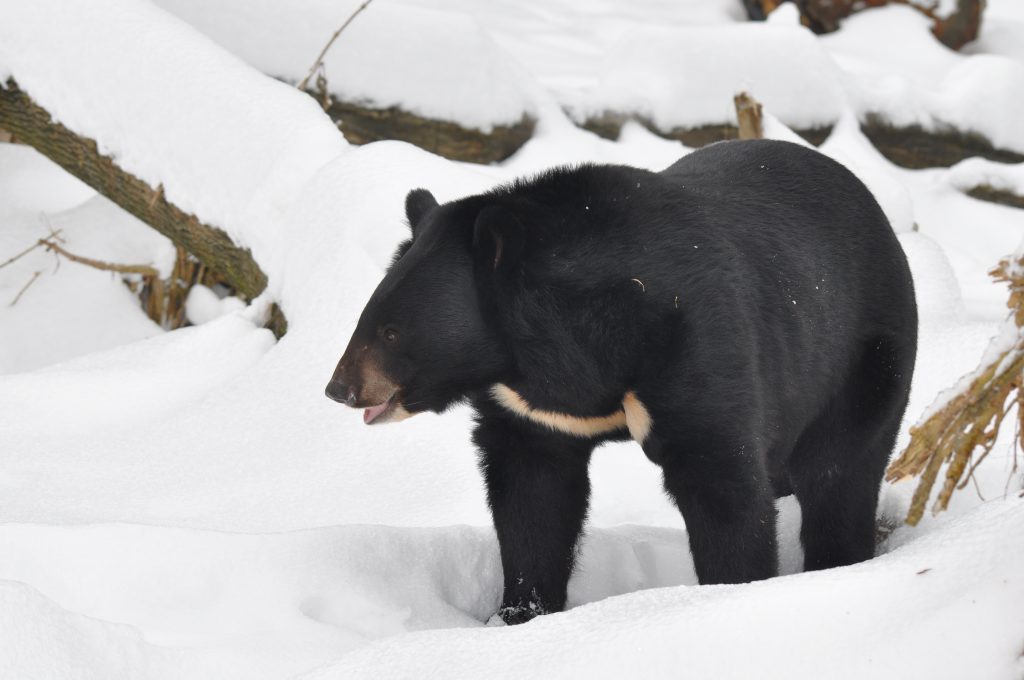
(897,70)
(784,67)
(981,94)
(97,310)
(795,626)
(848,145)
(1001,30)
(393,54)
(29,183)
(675,64)
(204,305)
(984,233)
(188,504)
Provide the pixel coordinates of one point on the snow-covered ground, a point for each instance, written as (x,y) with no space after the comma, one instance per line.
(189,505)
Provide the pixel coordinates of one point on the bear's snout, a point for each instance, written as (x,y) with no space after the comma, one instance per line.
(345,385)
(341,392)
(360,383)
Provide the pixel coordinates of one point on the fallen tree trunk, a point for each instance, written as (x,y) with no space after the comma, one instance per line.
(609,125)
(31,124)
(914,147)
(986,192)
(909,147)
(361,124)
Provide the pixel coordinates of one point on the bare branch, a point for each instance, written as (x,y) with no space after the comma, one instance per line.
(21,292)
(37,244)
(140,269)
(323,53)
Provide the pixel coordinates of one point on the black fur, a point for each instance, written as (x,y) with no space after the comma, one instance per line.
(753,296)
(418,203)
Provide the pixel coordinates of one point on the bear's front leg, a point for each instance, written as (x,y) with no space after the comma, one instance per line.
(538,490)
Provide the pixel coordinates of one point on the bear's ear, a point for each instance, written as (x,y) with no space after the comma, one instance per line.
(417,204)
(498,238)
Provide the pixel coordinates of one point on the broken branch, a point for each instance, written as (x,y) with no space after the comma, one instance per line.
(140,269)
(748,116)
(35,275)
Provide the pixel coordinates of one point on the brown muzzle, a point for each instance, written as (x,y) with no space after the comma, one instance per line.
(358,382)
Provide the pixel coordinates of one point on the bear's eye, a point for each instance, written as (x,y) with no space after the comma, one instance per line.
(390,335)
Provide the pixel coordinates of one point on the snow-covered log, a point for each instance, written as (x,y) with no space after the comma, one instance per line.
(33,125)
(907,146)
(987,192)
(218,175)
(989,181)
(912,146)
(397,71)
(362,124)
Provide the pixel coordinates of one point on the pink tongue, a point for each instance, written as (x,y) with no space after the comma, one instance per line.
(370,414)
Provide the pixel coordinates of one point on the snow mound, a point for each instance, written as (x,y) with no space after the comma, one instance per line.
(392,54)
(135,383)
(848,145)
(984,94)
(686,77)
(42,640)
(975,172)
(897,69)
(204,305)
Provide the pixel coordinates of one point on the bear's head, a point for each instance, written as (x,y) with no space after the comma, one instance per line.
(424,339)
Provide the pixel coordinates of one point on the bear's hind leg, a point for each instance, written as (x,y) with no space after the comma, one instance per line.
(538,490)
(837,465)
(726,498)
(838,495)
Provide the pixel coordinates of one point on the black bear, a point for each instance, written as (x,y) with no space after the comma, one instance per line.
(747,315)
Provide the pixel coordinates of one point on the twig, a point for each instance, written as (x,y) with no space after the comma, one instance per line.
(24,288)
(321,88)
(320,59)
(142,269)
(37,244)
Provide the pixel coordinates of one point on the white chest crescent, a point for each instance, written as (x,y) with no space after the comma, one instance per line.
(633,416)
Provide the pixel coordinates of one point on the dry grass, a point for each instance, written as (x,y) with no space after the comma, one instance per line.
(962,433)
